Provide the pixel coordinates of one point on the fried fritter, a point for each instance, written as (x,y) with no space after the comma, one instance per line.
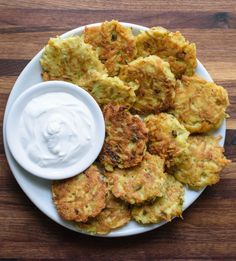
(116,214)
(167,137)
(172,47)
(200,105)
(80,197)
(140,183)
(164,208)
(70,60)
(111,89)
(115,44)
(203,163)
(126,137)
(156,83)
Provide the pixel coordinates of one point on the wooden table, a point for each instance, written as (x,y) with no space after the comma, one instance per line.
(208,230)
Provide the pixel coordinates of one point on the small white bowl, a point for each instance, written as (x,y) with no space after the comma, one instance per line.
(85,159)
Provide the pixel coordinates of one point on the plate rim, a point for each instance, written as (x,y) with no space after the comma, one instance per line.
(9,156)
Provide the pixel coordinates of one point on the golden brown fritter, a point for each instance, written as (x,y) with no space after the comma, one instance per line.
(167,137)
(156,83)
(202,164)
(172,47)
(126,137)
(115,44)
(70,60)
(116,214)
(80,197)
(140,183)
(200,105)
(111,89)
(164,208)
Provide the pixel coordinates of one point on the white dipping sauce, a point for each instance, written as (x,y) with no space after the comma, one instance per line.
(56,129)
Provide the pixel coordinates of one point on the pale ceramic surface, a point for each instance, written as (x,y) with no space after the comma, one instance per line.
(33,186)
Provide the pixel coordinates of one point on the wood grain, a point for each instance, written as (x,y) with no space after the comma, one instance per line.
(122,5)
(208,230)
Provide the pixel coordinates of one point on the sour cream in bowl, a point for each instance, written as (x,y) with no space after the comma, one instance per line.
(55,130)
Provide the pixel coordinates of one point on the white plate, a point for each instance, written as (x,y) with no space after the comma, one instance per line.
(37,189)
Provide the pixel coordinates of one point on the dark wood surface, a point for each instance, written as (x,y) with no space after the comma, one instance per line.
(208,230)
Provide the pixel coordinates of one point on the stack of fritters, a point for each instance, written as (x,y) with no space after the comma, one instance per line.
(158,116)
